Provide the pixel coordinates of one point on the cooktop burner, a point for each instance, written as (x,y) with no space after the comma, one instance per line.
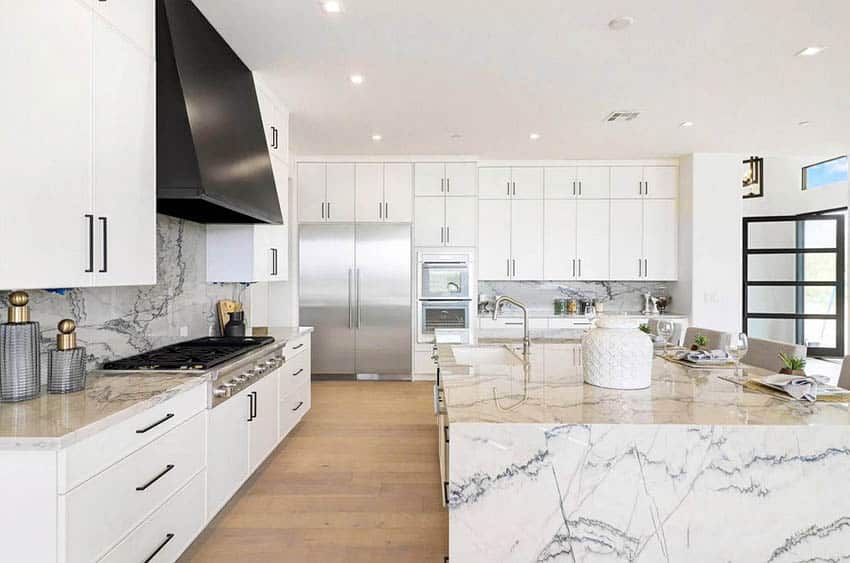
(202,353)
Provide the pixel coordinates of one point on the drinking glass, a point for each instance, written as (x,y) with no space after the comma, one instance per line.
(737,349)
(665,331)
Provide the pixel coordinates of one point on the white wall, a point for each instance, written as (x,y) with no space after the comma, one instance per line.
(783,193)
(710,212)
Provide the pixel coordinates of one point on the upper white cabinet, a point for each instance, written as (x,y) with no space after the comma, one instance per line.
(83,157)
(510,239)
(644,239)
(442,221)
(582,182)
(652,182)
(135,20)
(496,182)
(446,179)
(326,192)
(576,239)
(247,253)
(275,123)
(384,192)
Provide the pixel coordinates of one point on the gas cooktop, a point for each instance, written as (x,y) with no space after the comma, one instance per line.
(198,354)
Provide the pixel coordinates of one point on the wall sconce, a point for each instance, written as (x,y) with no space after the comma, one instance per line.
(753,182)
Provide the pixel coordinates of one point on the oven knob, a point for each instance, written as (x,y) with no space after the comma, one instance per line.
(232,383)
(261,370)
(241,378)
(220,391)
(271,363)
(228,385)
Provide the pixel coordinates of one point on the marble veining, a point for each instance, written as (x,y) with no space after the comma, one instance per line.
(114,322)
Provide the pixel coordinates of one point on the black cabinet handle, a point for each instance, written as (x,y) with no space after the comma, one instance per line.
(299,406)
(299,372)
(155,424)
(254,393)
(297,347)
(168,537)
(250,407)
(105,245)
(90,217)
(162,473)
(274,262)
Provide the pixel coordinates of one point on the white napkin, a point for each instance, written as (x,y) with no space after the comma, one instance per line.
(706,357)
(797,386)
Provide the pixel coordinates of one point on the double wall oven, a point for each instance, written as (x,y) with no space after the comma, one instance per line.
(445,294)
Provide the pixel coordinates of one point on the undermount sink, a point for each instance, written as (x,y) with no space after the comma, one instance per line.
(484,355)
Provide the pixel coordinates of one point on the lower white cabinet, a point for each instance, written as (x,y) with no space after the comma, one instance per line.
(228,445)
(263,423)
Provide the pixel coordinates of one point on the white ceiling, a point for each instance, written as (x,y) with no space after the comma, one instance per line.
(496,70)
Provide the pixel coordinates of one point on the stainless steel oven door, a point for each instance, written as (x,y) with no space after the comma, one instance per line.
(442,314)
(444,280)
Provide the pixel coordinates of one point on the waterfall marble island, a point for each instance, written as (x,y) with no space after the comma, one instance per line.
(543,467)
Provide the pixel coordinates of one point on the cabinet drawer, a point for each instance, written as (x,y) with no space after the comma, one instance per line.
(293,407)
(296,346)
(487,323)
(101,511)
(578,323)
(169,530)
(294,373)
(84,459)
(443,453)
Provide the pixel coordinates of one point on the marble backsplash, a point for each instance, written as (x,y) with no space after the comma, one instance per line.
(539,295)
(114,322)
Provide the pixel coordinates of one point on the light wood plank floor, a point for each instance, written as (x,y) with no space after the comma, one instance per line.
(357,481)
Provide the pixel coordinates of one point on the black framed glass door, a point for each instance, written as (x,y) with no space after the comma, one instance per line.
(793,271)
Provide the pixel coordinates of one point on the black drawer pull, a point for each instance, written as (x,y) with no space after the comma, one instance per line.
(299,346)
(298,407)
(168,468)
(168,538)
(299,372)
(155,424)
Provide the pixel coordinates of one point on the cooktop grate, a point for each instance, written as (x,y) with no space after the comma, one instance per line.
(202,353)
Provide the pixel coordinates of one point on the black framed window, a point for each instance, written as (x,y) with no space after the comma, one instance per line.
(826,173)
(793,270)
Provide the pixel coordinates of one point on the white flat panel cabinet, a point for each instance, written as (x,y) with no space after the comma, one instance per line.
(559,182)
(627,239)
(559,239)
(461,179)
(429,178)
(494,239)
(461,214)
(339,181)
(124,160)
(247,253)
(429,224)
(398,192)
(88,213)
(527,239)
(263,420)
(510,182)
(228,444)
(275,124)
(369,190)
(653,182)
(311,192)
(449,179)
(593,239)
(660,236)
(135,20)
(593,182)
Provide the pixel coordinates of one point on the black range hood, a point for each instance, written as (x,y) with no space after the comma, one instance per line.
(213,165)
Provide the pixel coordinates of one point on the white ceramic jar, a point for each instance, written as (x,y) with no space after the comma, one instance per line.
(616,354)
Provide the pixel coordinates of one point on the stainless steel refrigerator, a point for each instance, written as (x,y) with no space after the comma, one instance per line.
(355,289)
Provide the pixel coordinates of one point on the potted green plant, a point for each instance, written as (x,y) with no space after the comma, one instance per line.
(644,327)
(793,365)
(700,341)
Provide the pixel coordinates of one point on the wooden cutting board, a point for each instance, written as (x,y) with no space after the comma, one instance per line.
(224,308)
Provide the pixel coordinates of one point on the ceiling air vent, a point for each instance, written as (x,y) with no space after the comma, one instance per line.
(622,115)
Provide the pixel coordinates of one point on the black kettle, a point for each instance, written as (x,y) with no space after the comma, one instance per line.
(236,325)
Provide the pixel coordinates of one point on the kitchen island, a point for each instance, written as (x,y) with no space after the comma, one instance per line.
(542,467)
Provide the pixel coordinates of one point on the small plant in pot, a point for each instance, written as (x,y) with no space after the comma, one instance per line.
(644,328)
(793,365)
(700,341)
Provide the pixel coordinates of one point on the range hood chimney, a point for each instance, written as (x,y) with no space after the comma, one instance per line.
(213,165)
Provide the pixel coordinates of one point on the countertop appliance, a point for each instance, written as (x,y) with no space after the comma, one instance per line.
(199,354)
(213,164)
(355,290)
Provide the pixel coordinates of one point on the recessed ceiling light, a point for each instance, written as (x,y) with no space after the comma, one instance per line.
(534,136)
(810,51)
(357,79)
(376,137)
(332,6)
(686,124)
(804,123)
(620,23)
(456,136)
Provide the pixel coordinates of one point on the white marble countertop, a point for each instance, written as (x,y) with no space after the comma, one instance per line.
(56,421)
(514,312)
(549,388)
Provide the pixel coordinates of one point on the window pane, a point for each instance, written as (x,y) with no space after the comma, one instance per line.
(820,300)
(825,173)
(819,234)
(772,267)
(766,299)
(773,329)
(819,333)
(819,267)
(775,234)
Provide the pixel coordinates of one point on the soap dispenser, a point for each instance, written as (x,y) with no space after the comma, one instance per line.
(66,365)
(20,352)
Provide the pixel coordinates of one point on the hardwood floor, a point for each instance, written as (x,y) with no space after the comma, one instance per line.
(357,481)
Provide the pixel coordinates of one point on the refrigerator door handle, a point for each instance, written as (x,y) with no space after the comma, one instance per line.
(349,298)
(358,296)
